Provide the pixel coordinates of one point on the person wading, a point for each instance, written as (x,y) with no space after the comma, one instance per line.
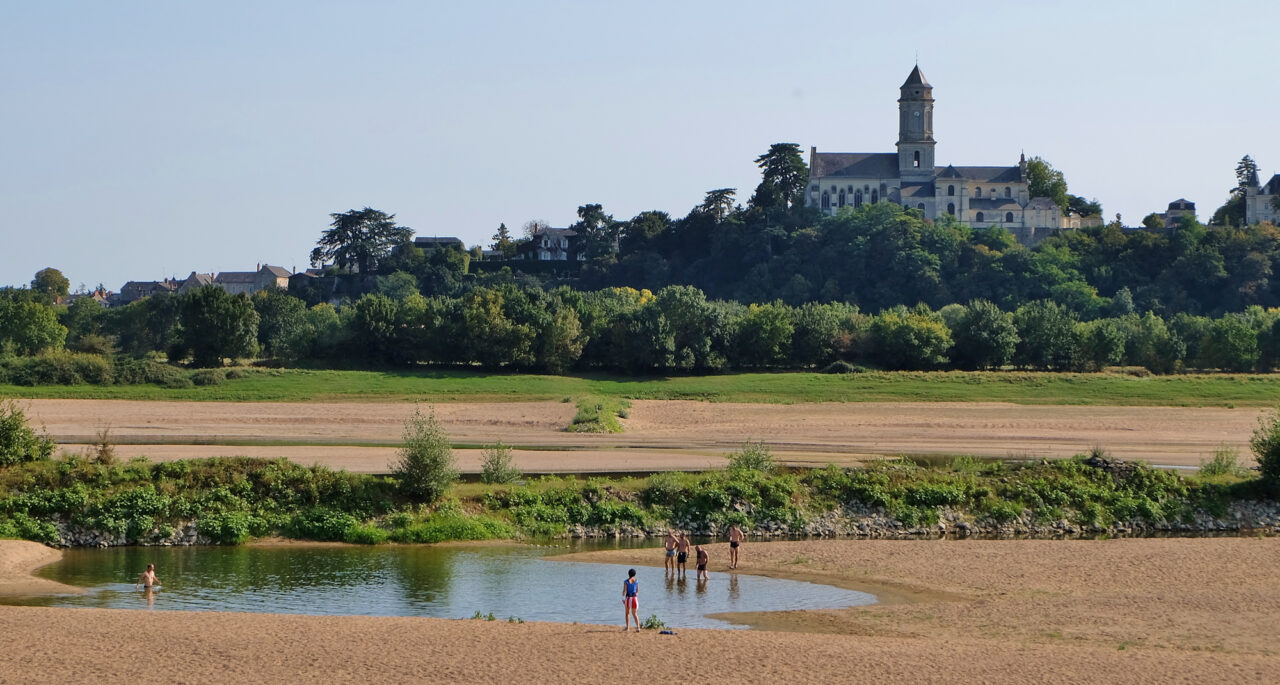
(631,600)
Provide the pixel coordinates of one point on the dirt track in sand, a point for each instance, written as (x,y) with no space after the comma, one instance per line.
(673,434)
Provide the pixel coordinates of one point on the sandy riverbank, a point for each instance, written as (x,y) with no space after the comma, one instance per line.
(660,435)
(1175,610)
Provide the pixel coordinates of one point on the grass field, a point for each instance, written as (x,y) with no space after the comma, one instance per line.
(1224,390)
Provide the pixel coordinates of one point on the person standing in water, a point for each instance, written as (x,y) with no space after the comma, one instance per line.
(631,600)
(682,552)
(736,536)
(669,543)
(148,578)
(703,558)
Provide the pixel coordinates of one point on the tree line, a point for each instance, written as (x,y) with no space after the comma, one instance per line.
(674,330)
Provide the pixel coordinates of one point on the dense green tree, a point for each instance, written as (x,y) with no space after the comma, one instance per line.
(599,233)
(397,286)
(697,328)
(1046,336)
(19,442)
(492,338)
(280,315)
(1101,343)
(1231,344)
(1045,181)
(503,243)
(560,341)
(83,317)
(762,336)
(29,327)
(906,339)
(718,203)
(147,325)
(359,239)
(783,177)
(216,325)
(375,328)
(985,337)
(51,284)
(817,332)
(425,467)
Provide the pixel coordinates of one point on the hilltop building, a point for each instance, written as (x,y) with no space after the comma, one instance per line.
(978,196)
(1259,199)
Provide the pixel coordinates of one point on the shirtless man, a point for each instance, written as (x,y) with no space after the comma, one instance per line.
(703,558)
(736,536)
(669,542)
(148,578)
(682,552)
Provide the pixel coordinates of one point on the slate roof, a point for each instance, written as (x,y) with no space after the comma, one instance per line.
(1273,186)
(1182,203)
(237,277)
(917,190)
(916,78)
(855,164)
(436,242)
(200,279)
(277,271)
(993,204)
(566,232)
(984,174)
(1041,203)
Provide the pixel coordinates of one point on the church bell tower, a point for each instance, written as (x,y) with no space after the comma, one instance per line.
(915,129)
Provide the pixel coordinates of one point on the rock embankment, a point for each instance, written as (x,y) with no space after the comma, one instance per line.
(1241,518)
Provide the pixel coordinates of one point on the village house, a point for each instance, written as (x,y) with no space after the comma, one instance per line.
(552,244)
(1259,201)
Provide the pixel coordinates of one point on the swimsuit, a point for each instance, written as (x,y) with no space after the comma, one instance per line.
(682,557)
(702,567)
(671,552)
(733,545)
(630,600)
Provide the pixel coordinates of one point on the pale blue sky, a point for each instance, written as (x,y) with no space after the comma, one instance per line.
(148,139)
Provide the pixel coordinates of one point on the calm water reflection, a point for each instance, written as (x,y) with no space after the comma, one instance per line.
(416,581)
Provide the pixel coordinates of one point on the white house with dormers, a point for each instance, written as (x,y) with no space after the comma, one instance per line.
(977,196)
(552,244)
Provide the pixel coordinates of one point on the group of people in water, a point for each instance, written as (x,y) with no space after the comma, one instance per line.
(677,556)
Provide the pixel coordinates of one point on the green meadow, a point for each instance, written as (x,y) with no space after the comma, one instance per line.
(300,385)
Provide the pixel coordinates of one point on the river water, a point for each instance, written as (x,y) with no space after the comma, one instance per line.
(439,581)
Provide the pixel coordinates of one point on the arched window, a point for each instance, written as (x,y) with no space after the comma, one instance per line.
(920,206)
(1008,217)
(826,201)
(977,192)
(917,161)
(951,191)
(857,198)
(841,198)
(979,217)
(951,208)
(875,197)
(1008,192)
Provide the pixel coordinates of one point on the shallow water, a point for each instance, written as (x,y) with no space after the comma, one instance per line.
(442,582)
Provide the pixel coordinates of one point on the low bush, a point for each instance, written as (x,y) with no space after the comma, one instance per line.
(19,442)
(205,377)
(753,456)
(441,527)
(496,467)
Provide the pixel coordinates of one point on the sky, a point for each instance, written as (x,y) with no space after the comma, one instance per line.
(142,140)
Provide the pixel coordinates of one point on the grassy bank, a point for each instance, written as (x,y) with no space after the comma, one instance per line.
(297,385)
(234,499)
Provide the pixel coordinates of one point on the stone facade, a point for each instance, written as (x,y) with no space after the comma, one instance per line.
(1258,198)
(977,196)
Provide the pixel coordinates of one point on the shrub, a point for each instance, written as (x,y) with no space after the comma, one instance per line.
(365,534)
(497,468)
(840,366)
(653,623)
(226,528)
(753,456)
(425,468)
(322,523)
(19,442)
(139,371)
(442,527)
(1224,462)
(1266,449)
(208,377)
(104,451)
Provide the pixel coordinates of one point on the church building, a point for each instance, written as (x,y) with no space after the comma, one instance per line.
(977,196)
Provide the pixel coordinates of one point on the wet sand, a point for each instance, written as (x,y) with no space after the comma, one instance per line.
(660,435)
(1169,610)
